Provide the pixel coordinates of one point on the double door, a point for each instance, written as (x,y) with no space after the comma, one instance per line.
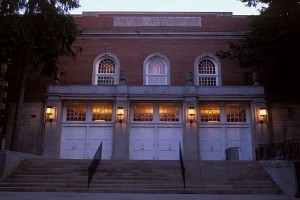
(213,142)
(81,142)
(155,143)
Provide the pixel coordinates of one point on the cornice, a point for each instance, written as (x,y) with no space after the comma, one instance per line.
(190,35)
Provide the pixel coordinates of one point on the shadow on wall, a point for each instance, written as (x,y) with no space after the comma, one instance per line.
(10,160)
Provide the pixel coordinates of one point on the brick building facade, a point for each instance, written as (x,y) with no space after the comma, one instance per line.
(144,84)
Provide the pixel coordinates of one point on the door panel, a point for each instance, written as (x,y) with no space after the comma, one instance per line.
(148,144)
(211,144)
(80,143)
(142,144)
(239,137)
(136,144)
(73,142)
(95,137)
(217,142)
(67,145)
(169,139)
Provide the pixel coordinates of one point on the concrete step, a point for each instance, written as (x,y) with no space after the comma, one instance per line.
(202,177)
(144,191)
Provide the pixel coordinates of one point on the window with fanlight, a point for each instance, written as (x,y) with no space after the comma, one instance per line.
(207,71)
(106,70)
(156,70)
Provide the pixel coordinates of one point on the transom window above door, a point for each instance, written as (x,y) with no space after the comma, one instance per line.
(156,112)
(210,113)
(224,113)
(143,112)
(89,112)
(236,113)
(102,112)
(76,112)
(168,113)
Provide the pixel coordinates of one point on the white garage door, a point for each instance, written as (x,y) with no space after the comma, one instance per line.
(81,142)
(239,137)
(223,126)
(142,144)
(156,131)
(212,142)
(150,143)
(168,143)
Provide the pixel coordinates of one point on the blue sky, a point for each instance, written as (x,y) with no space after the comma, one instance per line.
(234,6)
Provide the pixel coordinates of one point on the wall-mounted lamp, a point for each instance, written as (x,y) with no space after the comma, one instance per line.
(49,113)
(262,114)
(120,114)
(191,114)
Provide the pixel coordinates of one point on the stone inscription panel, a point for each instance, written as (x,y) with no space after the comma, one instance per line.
(157,21)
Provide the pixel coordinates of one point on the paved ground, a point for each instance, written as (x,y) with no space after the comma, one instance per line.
(107,196)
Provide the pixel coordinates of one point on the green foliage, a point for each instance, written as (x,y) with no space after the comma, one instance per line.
(37,32)
(272,47)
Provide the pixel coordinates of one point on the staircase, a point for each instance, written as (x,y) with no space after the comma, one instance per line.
(228,177)
(202,177)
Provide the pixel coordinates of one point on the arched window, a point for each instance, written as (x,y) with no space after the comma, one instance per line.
(106,70)
(207,71)
(156,70)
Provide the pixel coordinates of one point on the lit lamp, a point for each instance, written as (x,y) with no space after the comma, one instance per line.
(262,113)
(49,113)
(191,114)
(120,114)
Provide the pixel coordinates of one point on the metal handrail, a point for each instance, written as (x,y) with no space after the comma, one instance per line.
(93,166)
(182,165)
(287,150)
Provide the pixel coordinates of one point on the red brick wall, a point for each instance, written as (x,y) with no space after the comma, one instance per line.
(131,52)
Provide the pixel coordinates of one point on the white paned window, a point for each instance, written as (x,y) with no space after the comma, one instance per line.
(76,113)
(156,71)
(210,113)
(102,112)
(236,113)
(169,113)
(156,112)
(89,112)
(106,72)
(224,113)
(207,73)
(143,113)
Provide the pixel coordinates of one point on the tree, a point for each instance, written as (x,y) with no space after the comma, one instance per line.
(272,48)
(34,34)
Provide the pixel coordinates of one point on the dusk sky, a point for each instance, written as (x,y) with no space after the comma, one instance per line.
(234,6)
